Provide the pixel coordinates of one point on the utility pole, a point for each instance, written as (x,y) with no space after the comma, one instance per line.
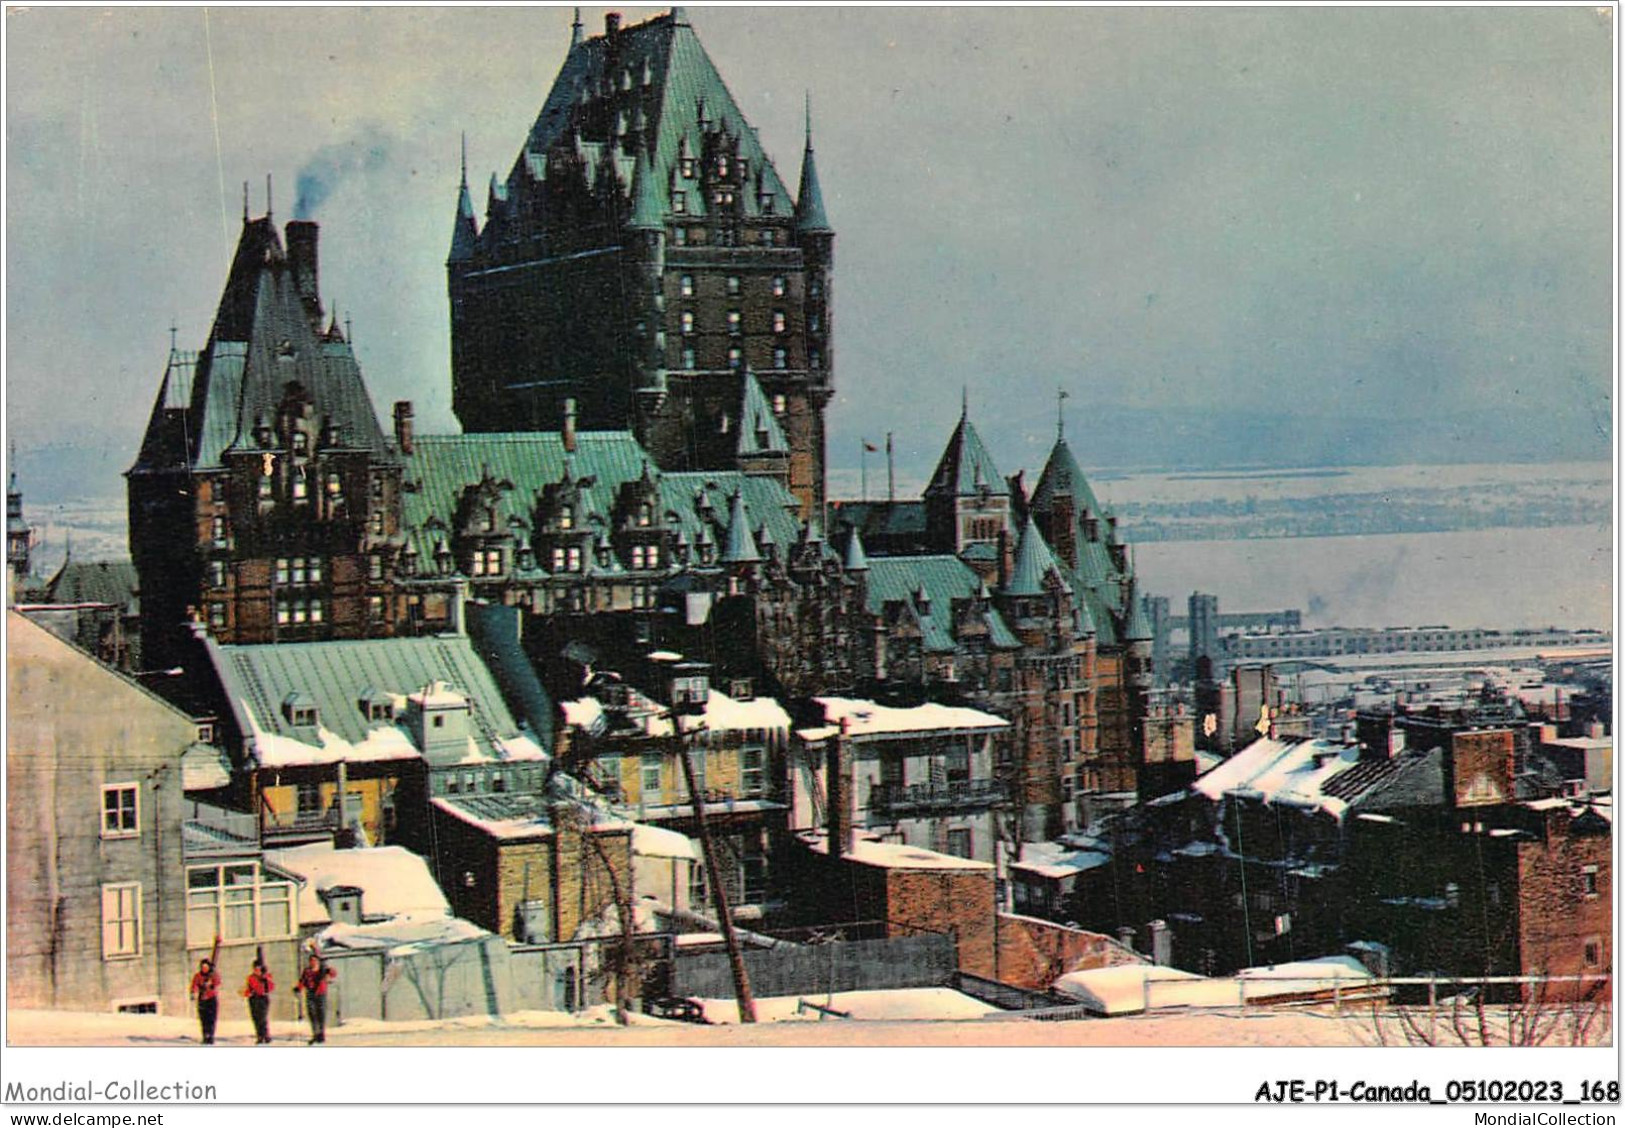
(713,875)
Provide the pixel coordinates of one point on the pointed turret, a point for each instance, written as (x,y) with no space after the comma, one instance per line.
(1034,562)
(856,559)
(1138,627)
(810,217)
(647,213)
(741,546)
(966,468)
(465,231)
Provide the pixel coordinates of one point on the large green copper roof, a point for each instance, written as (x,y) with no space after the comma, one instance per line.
(654,78)
(759,430)
(942,580)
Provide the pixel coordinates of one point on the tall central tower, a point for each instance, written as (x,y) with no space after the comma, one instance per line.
(644,259)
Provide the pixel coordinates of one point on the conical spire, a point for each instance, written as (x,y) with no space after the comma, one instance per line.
(647,214)
(810,217)
(741,546)
(1138,627)
(856,559)
(1034,561)
(464,231)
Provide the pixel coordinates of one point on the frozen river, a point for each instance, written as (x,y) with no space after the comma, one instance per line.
(1510,578)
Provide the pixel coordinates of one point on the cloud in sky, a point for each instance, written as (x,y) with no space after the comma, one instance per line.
(1323,212)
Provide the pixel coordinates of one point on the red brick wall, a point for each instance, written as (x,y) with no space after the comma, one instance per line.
(1557,917)
(959,901)
(1034,953)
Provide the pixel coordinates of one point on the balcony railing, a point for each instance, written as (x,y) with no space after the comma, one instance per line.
(211,830)
(284,827)
(903,798)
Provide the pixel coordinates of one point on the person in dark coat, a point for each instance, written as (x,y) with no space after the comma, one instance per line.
(313,982)
(206,990)
(258,993)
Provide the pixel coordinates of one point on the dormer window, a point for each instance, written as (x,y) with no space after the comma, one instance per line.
(567,517)
(376,705)
(679,202)
(686,166)
(335,486)
(767,203)
(301,489)
(645,515)
(488,562)
(300,710)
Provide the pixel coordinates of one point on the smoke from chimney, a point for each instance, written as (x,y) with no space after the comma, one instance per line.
(367,152)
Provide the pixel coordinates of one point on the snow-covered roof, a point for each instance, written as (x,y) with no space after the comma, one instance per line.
(658,842)
(204,768)
(893,855)
(516,815)
(869,719)
(402,936)
(1290,772)
(924,1004)
(393,881)
(1057,861)
(722,714)
(1123,989)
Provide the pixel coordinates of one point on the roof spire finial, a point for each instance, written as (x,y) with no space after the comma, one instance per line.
(575,30)
(1060,413)
(267,197)
(245,201)
(465,158)
(807,96)
(964,402)
(173,330)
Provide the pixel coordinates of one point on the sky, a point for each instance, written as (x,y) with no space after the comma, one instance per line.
(1275,216)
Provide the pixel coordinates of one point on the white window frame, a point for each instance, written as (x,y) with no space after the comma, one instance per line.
(649,763)
(122,831)
(255,896)
(752,777)
(121,929)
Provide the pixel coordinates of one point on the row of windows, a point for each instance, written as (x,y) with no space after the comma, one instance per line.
(780,286)
(726,237)
(736,322)
(736,359)
(299,610)
(237,901)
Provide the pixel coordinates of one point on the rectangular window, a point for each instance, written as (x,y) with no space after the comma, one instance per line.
(1588,879)
(688,356)
(335,486)
(375,608)
(217,529)
(679,202)
(121,810)
(375,567)
(301,489)
(121,921)
(736,357)
(264,486)
(649,781)
(752,772)
(815,360)
(685,285)
(780,286)
(736,321)
(733,284)
(768,203)
(309,800)
(282,570)
(217,573)
(236,902)
(697,892)
(573,558)
(297,574)
(640,598)
(780,403)
(686,319)
(679,236)
(781,359)
(753,875)
(686,164)
(217,616)
(1593,953)
(959,842)
(779,322)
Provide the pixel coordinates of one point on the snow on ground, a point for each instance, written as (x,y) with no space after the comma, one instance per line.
(938,1004)
(1254,1028)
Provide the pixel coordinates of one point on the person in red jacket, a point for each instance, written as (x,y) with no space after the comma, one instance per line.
(206,990)
(313,982)
(258,993)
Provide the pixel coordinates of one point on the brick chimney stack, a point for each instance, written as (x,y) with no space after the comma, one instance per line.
(403,426)
(838,771)
(302,235)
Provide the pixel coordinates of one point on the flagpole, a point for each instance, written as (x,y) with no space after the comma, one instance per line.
(863,463)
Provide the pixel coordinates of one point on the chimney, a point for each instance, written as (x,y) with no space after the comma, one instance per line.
(569,432)
(612,24)
(343,903)
(403,426)
(837,772)
(302,254)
